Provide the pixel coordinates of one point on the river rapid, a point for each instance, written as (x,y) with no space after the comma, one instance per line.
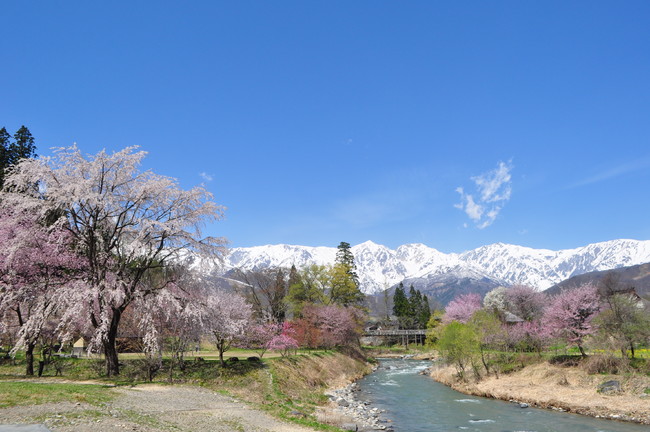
(412,402)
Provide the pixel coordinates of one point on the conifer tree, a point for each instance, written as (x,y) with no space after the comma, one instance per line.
(23,146)
(424,311)
(11,152)
(400,302)
(345,282)
(5,142)
(412,311)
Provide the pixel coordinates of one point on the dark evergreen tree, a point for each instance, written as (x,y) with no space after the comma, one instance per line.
(412,312)
(277,304)
(23,146)
(5,143)
(415,298)
(400,304)
(294,276)
(425,312)
(11,152)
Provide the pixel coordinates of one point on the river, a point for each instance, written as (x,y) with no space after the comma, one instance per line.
(414,403)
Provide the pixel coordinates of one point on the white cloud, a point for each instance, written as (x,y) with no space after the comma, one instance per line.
(493,191)
(494,185)
(207,177)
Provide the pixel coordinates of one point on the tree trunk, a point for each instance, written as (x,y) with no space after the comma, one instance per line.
(485,365)
(220,347)
(29,358)
(110,350)
(582,351)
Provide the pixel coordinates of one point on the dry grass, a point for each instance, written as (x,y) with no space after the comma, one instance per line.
(569,388)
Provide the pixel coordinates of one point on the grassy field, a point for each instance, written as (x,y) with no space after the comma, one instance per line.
(289,388)
(14,393)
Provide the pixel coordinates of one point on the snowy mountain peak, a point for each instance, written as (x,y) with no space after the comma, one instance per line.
(380,267)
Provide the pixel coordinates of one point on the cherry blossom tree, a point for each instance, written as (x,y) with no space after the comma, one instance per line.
(284,341)
(178,314)
(525,302)
(570,314)
(496,301)
(126,222)
(227,320)
(529,335)
(461,308)
(37,270)
(259,336)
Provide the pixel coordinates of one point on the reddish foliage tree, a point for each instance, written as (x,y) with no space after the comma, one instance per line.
(306,334)
(334,325)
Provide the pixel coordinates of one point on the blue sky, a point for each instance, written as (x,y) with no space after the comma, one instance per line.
(453,124)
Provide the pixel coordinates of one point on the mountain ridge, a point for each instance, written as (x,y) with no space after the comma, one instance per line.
(380,267)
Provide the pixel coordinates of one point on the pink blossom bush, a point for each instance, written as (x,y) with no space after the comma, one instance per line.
(462,308)
(284,342)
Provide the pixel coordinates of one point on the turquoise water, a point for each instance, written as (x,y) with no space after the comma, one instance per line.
(415,403)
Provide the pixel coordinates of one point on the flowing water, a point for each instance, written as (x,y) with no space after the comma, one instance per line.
(415,403)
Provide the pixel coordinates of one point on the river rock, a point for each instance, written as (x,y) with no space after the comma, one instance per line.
(608,387)
(523,405)
(350,427)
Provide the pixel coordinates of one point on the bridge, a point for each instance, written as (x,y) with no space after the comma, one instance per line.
(416,336)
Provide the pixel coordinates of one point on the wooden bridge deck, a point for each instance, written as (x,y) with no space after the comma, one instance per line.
(395,333)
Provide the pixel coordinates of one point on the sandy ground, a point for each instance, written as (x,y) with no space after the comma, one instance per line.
(568,389)
(152,408)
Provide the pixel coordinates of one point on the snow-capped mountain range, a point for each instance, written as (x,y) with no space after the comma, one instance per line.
(379,267)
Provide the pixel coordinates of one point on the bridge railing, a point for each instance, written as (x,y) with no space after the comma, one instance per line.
(395,333)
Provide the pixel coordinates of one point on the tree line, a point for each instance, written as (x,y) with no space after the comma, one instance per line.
(607,315)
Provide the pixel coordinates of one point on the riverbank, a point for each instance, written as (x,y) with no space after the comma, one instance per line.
(560,388)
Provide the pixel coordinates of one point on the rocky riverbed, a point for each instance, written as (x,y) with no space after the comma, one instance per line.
(364,417)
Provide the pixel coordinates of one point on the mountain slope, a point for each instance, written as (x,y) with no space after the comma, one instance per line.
(380,267)
(637,276)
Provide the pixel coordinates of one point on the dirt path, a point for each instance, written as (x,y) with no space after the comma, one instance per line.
(152,408)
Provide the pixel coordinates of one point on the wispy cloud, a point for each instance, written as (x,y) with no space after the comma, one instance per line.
(207,177)
(376,207)
(613,172)
(492,190)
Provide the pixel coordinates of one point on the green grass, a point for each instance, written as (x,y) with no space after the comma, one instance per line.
(14,393)
(254,381)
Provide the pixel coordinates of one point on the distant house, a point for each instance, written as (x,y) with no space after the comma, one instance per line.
(79,348)
(511,318)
